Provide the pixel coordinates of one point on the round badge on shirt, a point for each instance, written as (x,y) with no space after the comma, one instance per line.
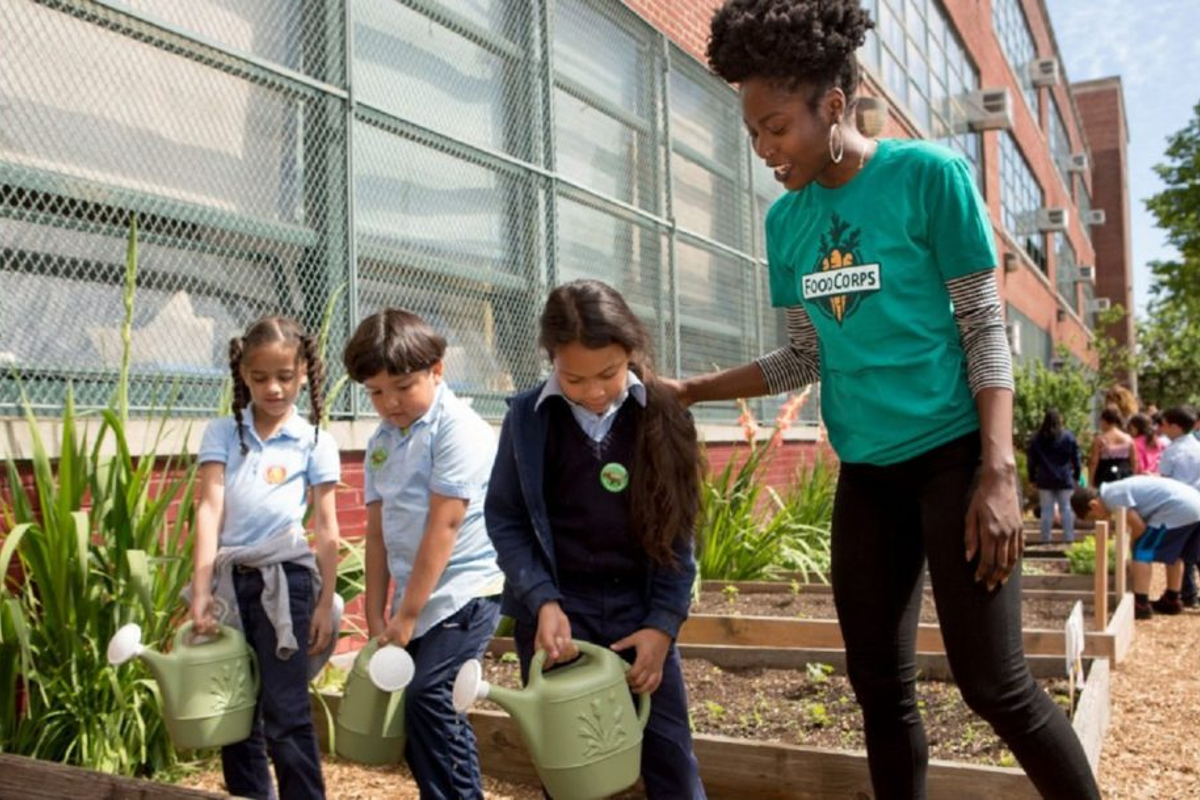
(378,457)
(275,474)
(614,477)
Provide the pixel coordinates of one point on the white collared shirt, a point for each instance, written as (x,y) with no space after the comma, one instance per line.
(596,426)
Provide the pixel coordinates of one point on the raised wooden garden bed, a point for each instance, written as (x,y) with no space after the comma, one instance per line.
(742,768)
(1110,635)
(30,779)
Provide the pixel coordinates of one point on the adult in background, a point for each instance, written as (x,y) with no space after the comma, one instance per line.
(1054,466)
(1112,457)
(883,256)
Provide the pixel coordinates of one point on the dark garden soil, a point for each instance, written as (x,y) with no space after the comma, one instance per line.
(1035,612)
(816,709)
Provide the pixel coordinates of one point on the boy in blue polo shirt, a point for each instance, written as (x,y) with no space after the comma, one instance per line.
(425,478)
(1164,526)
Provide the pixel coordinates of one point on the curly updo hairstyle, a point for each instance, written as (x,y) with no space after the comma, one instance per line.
(792,43)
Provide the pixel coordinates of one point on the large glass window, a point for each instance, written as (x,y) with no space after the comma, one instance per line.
(1020,200)
(1035,342)
(1016,40)
(1060,142)
(1066,272)
(925,67)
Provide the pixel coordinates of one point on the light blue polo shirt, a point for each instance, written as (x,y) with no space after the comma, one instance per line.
(1159,501)
(266,490)
(1181,460)
(449,451)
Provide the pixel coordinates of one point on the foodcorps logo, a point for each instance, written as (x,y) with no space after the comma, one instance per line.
(839,280)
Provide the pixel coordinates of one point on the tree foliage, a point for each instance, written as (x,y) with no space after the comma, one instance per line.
(1169,338)
(1069,388)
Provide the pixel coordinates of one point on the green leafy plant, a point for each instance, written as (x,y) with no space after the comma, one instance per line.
(747,530)
(731,593)
(85,538)
(1081,556)
(818,672)
(816,715)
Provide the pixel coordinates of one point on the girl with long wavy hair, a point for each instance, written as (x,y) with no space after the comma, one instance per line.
(592,505)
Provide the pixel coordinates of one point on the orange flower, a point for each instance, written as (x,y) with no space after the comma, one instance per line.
(747,421)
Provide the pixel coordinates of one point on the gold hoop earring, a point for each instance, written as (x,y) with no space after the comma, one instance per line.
(836,155)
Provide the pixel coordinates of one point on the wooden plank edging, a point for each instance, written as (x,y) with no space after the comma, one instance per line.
(753,631)
(31,779)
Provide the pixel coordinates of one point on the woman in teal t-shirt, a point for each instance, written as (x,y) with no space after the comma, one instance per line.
(882,255)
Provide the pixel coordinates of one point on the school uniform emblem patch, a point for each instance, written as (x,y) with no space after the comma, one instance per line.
(275,474)
(378,457)
(839,281)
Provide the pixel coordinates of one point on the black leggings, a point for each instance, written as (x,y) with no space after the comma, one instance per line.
(886,522)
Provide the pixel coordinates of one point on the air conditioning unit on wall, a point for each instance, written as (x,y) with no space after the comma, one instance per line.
(988,110)
(1099,304)
(1052,220)
(1012,261)
(1095,216)
(1044,71)
(1078,162)
(1087,273)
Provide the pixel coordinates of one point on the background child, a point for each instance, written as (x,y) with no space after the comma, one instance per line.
(256,469)
(1164,526)
(592,507)
(426,476)
(1181,461)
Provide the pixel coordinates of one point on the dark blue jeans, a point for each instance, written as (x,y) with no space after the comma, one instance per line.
(284,727)
(886,522)
(440,743)
(602,615)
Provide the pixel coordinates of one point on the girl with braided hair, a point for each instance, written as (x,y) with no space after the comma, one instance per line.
(256,472)
(882,255)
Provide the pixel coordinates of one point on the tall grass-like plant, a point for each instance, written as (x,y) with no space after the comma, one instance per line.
(78,588)
(101,539)
(749,531)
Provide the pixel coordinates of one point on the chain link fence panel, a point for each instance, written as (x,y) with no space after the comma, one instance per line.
(455,157)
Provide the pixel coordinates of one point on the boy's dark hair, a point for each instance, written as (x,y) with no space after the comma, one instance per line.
(1182,416)
(790,43)
(1081,500)
(394,341)
(269,330)
(664,495)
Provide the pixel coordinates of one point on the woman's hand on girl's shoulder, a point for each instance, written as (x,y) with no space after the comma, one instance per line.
(677,387)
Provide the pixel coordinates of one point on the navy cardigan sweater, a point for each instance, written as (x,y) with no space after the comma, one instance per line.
(519,526)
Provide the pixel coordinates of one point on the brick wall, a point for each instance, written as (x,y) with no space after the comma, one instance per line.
(1102,105)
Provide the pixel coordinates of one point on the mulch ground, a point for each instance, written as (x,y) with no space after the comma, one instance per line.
(1152,750)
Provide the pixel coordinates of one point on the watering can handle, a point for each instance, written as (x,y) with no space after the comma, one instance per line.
(594,651)
(184,637)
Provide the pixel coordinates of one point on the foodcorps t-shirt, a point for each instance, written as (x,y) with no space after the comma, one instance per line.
(869,261)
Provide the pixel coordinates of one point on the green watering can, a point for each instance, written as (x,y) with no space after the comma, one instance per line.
(370,719)
(209,685)
(578,721)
